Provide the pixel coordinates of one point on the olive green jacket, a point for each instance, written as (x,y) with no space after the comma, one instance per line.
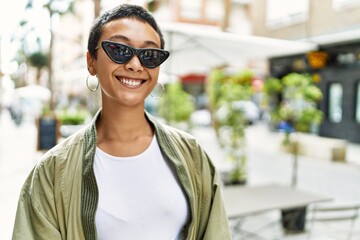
(59,198)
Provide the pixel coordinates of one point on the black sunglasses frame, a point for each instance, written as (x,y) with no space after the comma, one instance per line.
(135,51)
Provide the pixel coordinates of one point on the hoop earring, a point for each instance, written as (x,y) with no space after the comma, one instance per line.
(88,85)
(158,91)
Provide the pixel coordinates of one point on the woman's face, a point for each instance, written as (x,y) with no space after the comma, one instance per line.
(130,83)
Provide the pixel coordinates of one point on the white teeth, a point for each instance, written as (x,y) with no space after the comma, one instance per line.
(130,82)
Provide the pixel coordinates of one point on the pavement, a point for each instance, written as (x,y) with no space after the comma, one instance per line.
(17,158)
(266,164)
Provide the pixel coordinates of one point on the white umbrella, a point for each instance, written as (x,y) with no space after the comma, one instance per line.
(195,48)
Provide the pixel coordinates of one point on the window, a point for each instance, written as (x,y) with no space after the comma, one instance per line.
(200,11)
(282,13)
(335,102)
(357,106)
(190,9)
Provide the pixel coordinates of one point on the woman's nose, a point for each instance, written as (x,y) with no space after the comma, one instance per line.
(134,64)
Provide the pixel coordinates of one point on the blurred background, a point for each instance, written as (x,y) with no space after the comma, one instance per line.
(253,80)
(43,43)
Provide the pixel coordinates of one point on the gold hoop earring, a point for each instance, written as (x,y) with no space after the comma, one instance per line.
(158,91)
(92,89)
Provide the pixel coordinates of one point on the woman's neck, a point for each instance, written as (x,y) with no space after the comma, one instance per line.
(123,133)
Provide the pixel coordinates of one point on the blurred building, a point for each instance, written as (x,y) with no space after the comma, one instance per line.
(200,34)
(334,26)
(205,34)
(273,37)
(69,62)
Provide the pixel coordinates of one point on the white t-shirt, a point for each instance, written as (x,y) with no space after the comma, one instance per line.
(139,197)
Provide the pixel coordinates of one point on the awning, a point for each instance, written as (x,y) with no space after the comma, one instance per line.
(195,48)
(343,37)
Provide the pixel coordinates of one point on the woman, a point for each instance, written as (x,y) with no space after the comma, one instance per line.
(125,176)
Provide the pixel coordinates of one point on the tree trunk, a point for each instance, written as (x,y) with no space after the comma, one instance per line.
(96,96)
(50,69)
(97,8)
(294,178)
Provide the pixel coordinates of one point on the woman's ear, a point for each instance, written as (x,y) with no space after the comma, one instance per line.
(90,64)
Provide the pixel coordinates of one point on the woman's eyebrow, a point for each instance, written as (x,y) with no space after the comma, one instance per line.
(147,43)
(151,44)
(119,37)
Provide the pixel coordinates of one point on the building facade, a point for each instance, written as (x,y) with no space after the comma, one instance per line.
(334,25)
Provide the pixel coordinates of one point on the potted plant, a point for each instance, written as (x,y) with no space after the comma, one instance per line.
(232,136)
(71,120)
(227,93)
(296,112)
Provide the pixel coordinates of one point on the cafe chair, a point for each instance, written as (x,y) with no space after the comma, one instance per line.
(332,221)
(259,226)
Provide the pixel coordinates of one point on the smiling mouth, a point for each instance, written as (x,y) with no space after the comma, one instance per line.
(130,82)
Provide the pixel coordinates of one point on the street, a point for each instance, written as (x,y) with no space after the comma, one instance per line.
(266,164)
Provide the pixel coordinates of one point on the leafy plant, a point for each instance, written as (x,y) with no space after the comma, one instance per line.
(297,111)
(176,105)
(272,86)
(226,92)
(72,117)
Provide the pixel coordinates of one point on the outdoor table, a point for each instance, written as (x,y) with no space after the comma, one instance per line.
(241,201)
(248,200)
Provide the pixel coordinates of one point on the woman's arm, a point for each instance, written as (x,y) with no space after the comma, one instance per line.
(36,214)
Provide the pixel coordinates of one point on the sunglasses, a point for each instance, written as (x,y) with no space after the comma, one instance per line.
(122,53)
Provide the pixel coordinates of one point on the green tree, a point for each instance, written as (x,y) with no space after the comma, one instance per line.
(54,8)
(297,111)
(39,60)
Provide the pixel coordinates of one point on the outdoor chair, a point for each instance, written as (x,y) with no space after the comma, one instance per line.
(332,221)
(259,226)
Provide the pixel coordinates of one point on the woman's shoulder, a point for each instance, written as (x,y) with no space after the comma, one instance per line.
(69,149)
(58,171)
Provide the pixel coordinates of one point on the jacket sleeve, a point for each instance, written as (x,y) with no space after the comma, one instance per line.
(217,225)
(35,216)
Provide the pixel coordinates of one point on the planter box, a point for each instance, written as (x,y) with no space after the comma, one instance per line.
(330,149)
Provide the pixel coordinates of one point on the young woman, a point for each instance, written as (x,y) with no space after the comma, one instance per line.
(125,176)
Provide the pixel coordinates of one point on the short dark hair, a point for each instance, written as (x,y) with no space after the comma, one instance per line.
(121,11)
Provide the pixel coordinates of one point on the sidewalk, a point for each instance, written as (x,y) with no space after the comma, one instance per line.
(17,158)
(353,154)
(267,164)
